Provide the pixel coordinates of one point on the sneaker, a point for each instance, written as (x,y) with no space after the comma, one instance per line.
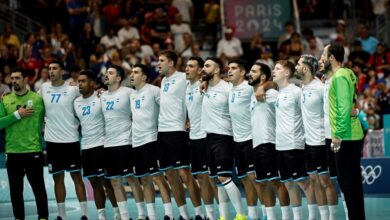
(166,217)
(241,217)
(83,217)
(198,217)
(58,218)
(221,218)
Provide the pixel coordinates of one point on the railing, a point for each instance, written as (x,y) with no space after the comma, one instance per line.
(21,23)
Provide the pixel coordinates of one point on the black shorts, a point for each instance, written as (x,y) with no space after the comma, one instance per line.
(220,154)
(244,158)
(198,158)
(266,165)
(145,160)
(291,165)
(331,159)
(315,161)
(93,162)
(118,161)
(173,150)
(63,157)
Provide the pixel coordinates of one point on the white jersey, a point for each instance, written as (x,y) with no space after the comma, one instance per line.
(239,110)
(263,118)
(194,108)
(117,117)
(328,132)
(61,124)
(144,108)
(172,115)
(89,112)
(215,110)
(312,105)
(289,126)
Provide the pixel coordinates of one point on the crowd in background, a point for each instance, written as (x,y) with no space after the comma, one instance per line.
(95,33)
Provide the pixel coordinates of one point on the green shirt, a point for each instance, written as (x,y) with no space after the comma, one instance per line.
(342,98)
(22,135)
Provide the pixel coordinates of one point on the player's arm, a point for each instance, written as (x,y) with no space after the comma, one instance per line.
(7,120)
(261,90)
(343,106)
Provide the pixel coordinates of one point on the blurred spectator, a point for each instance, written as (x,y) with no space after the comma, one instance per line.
(185,8)
(96,18)
(295,47)
(358,55)
(289,29)
(110,40)
(30,40)
(3,87)
(212,19)
(368,42)
(256,47)
(70,57)
(383,98)
(146,28)
(112,14)
(379,6)
(229,47)
(178,29)
(308,34)
(362,77)
(130,54)
(46,55)
(187,51)
(74,75)
(266,57)
(380,60)
(42,37)
(312,48)
(57,39)
(133,9)
(152,61)
(44,77)
(127,33)
(160,29)
(29,63)
(371,80)
(7,58)
(78,11)
(9,38)
(87,44)
(341,33)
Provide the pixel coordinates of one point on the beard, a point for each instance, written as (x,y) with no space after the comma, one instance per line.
(253,82)
(207,76)
(16,87)
(327,68)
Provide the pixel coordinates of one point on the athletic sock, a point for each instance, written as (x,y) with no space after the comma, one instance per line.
(223,203)
(150,207)
(297,212)
(312,211)
(234,195)
(84,208)
(61,210)
(141,210)
(184,212)
(252,212)
(285,212)
(324,212)
(270,213)
(210,213)
(123,210)
(168,209)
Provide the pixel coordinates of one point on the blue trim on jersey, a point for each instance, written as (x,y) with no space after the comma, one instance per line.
(113,177)
(252,171)
(333,178)
(324,173)
(312,172)
(73,171)
(95,175)
(127,175)
(199,172)
(262,180)
(54,173)
(182,167)
(155,173)
(274,178)
(213,177)
(287,180)
(166,168)
(242,176)
(224,172)
(301,179)
(140,176)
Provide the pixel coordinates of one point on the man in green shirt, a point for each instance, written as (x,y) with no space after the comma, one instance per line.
(21,114)
(346,130)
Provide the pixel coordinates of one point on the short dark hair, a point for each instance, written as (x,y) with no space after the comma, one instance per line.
(264,69)
(60,63)
(287,64)
(217,61)
(241,63)
(171,55)
(119,70)
(199,60)
(311,62)
(337,51)
(21,70)
(89,73)
(145,70)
